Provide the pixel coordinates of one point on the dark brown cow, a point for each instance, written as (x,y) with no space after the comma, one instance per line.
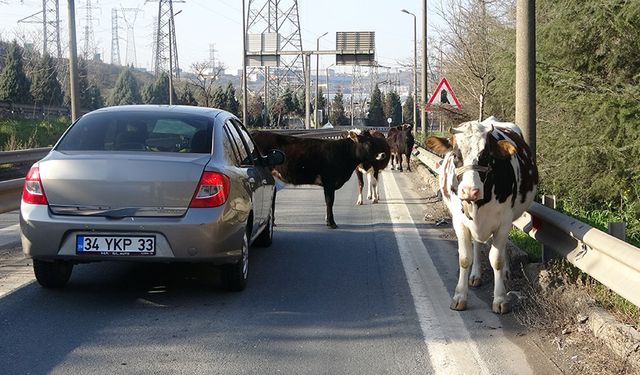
(401,142)
(327,163)
(372,168)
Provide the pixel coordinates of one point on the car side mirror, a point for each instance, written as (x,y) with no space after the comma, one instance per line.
(274,157)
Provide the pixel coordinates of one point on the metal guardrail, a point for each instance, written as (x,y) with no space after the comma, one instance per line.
(613,262)
(11,190)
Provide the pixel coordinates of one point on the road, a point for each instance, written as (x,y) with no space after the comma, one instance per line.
(371,297)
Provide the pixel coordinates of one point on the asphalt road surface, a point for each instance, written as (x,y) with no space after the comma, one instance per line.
(371,297)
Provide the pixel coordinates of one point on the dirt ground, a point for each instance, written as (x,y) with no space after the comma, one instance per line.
(556,327)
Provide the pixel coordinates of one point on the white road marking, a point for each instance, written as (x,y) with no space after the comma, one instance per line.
(448,341)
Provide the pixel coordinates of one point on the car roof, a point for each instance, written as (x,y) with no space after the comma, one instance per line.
(184,109)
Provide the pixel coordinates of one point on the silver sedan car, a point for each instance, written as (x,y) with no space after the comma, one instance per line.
(152,184)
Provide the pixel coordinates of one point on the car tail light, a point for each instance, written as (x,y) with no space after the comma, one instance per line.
(33,191)
(212,190)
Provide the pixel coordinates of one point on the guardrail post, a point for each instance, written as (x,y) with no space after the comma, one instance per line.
(547,252)
(618,230)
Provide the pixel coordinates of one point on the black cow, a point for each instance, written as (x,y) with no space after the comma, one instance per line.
(327,163)
(372,168)
(401,142)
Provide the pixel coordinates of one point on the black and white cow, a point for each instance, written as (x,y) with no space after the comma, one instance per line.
(372,168)
(488,178)
(323,162)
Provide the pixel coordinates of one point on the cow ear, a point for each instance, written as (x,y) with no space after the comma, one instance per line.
(504,149)
(438,145)
(353,135)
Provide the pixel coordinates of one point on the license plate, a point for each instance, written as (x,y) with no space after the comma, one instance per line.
(115,245)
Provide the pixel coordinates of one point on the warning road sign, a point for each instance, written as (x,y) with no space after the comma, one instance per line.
(443,96)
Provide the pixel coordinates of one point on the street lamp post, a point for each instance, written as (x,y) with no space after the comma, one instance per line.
(415,72)
(315,106)
(328,92)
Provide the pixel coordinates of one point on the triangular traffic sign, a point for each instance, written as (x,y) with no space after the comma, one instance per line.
(444,95)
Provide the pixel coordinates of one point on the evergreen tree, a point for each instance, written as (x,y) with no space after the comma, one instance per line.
(218,98)
(407,110)
(45,87)
(298,105)
(376,115)
(14,84)
(231,102)
(392,101)
(337,116)
(157,92)
(322,105)
(126,90)
(187,97)
(90,97)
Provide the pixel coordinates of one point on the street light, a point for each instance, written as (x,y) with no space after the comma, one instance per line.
(415,71)
(328,92)
(315,106)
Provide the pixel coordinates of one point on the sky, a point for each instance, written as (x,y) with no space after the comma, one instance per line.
(219,22)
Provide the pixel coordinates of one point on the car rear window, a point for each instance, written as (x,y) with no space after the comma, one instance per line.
(139,131)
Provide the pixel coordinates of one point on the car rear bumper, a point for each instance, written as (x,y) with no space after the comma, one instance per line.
(202,235)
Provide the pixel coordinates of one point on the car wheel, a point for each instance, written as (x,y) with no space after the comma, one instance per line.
(236,274)
(52,274)
(266,236)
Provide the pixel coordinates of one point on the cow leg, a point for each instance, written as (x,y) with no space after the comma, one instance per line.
(498,259)
(465,247)
(329,197)
(374,185)
(392,159)
(475,280)
(399,157)
(360,186)
(370,184)
(408,155)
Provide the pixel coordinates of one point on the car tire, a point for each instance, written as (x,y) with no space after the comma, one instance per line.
(236,275)
(54,274)
(266,236)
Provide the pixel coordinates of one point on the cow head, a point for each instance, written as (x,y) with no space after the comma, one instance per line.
(368,147)
(470,154)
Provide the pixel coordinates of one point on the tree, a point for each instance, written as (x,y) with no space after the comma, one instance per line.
(157,92)
(322,105)
(231,103)
(376,114)
(407,110)
(337,115)
(126,90)
(255,111)
(187,97)
(283,106)
(203,79)
(14,84)
(89,97)
(471,44)
(392,102)
(45,87)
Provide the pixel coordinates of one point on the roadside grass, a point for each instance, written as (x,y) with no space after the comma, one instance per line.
(18,134)
(527,244)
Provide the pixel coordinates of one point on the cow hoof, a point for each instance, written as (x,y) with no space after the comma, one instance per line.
(475,281)
(332,225)
(458,304)
(358,203)
(375,200)
(501,307)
